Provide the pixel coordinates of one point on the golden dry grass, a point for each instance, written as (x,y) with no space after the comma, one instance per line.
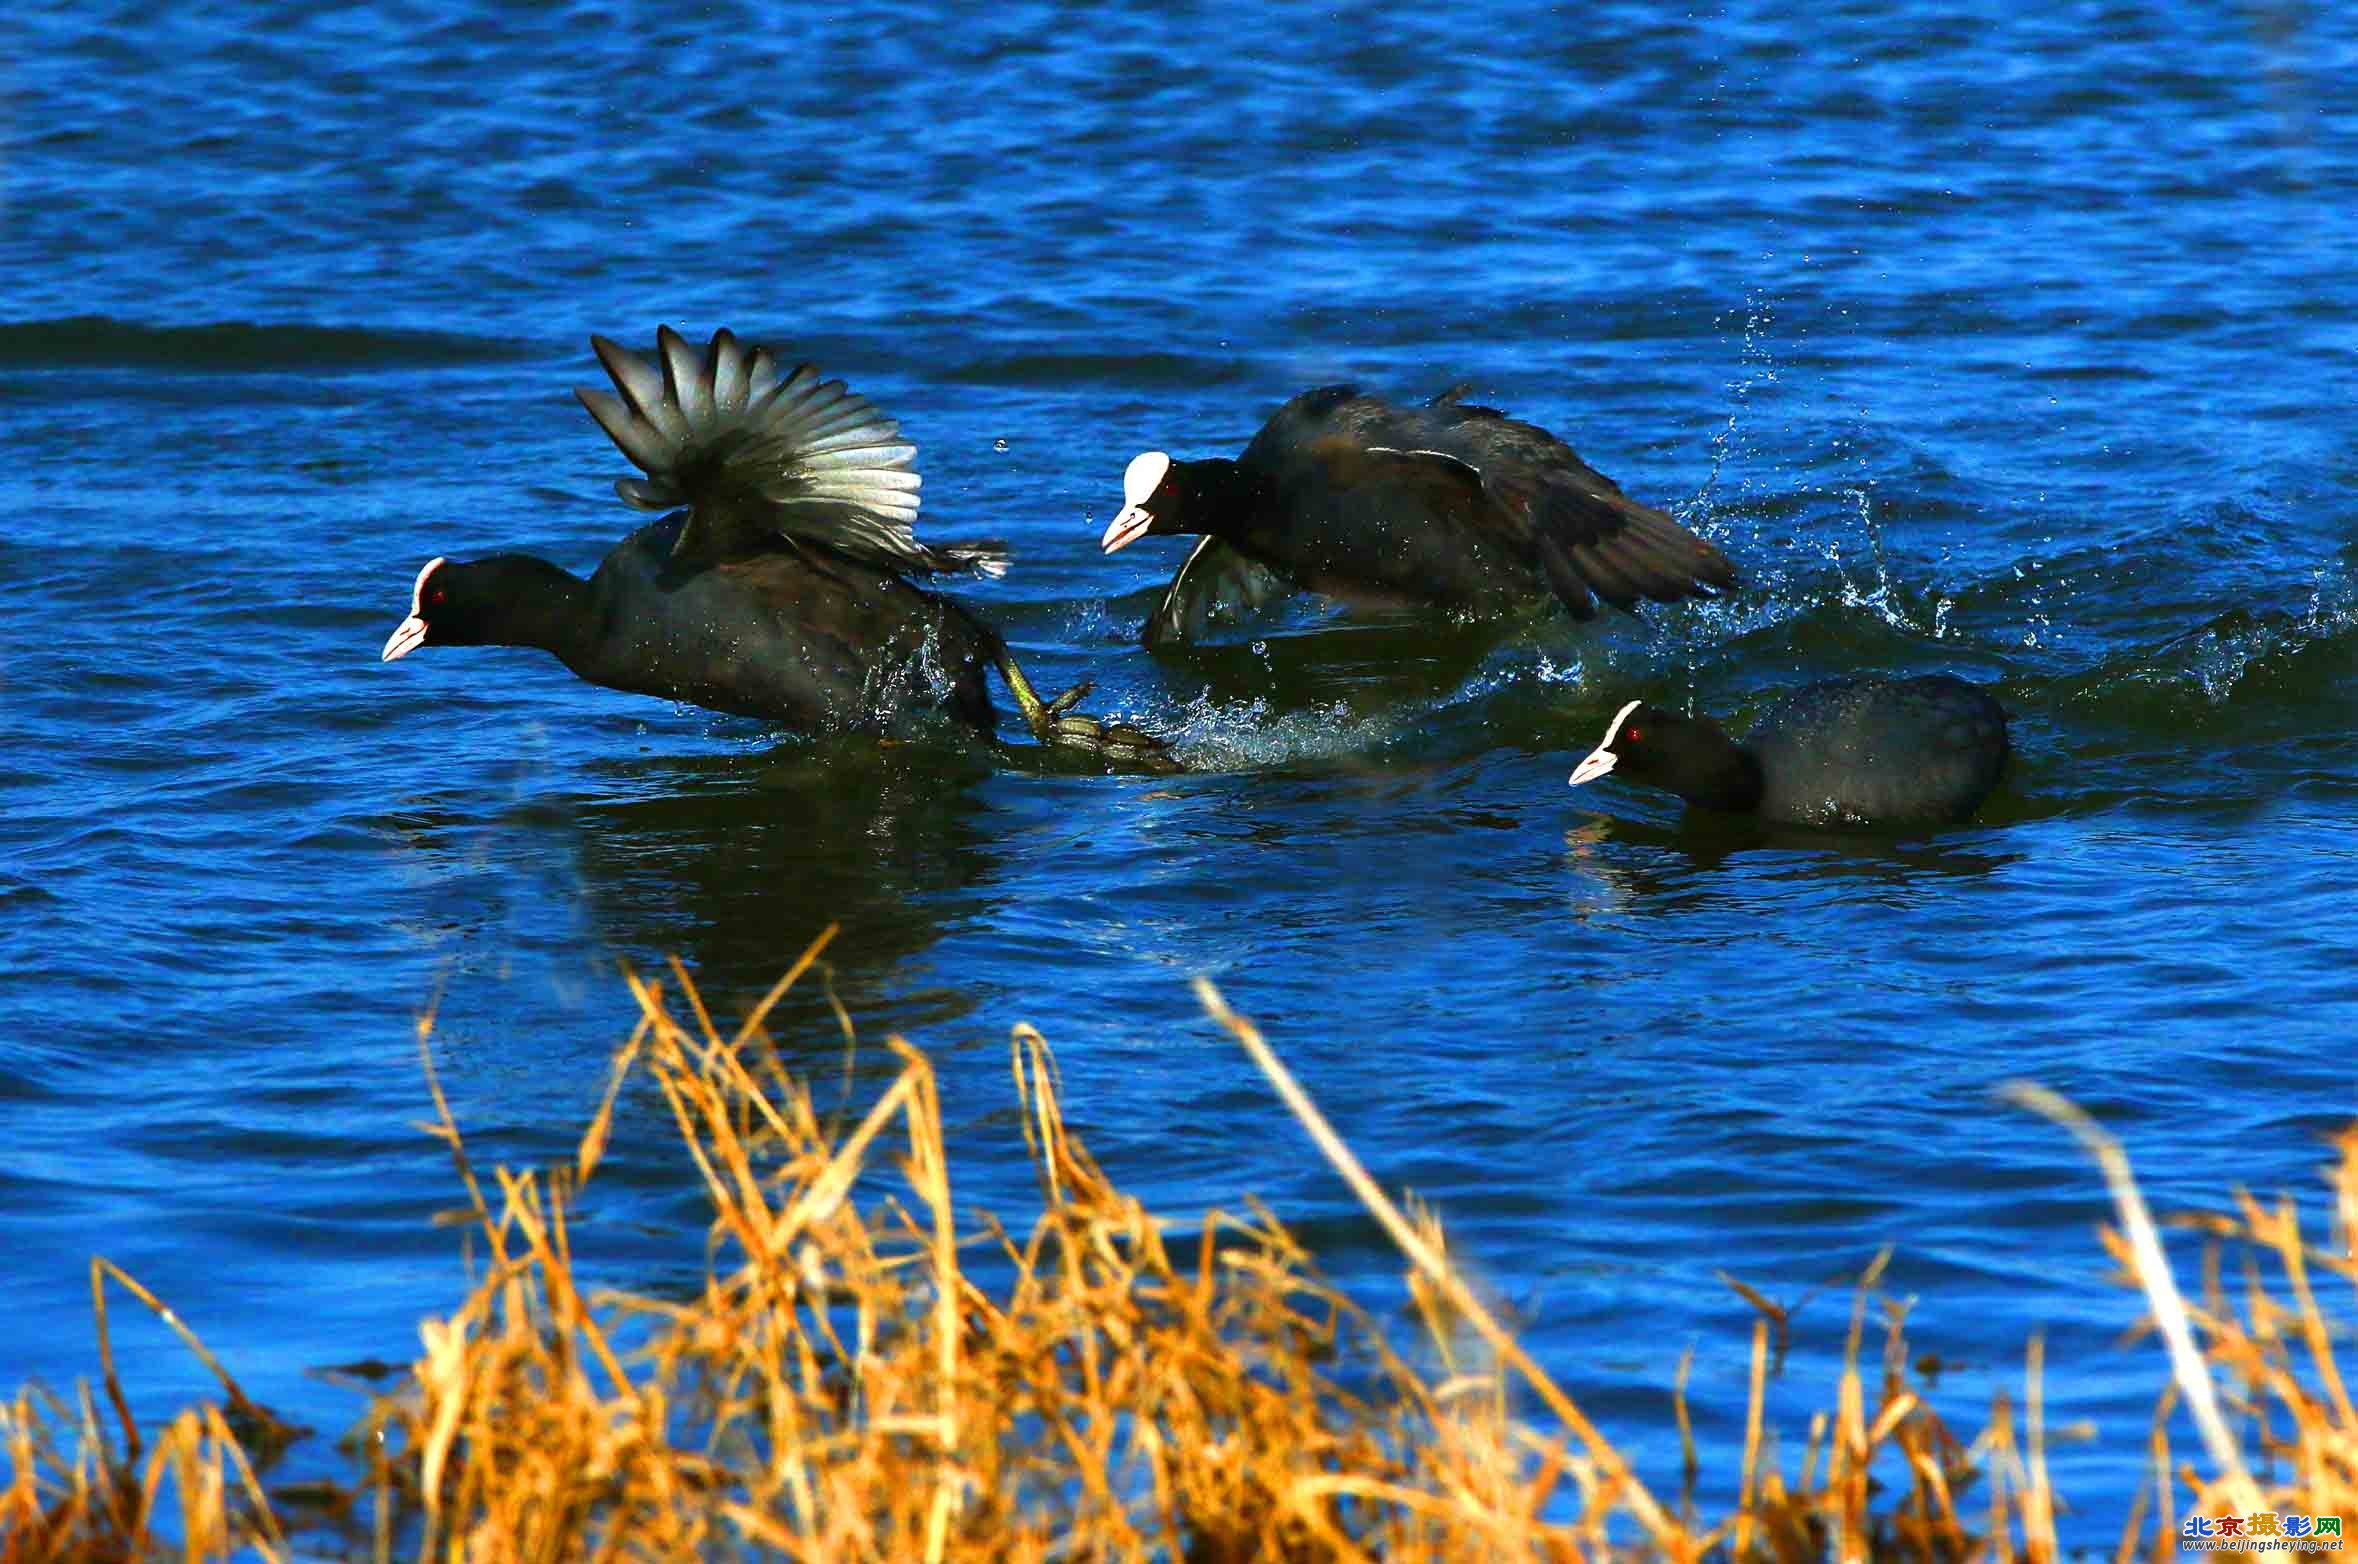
(858,1378)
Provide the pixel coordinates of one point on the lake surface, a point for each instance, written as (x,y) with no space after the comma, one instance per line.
(2018,346)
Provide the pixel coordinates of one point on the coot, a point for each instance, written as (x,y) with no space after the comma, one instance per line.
(777,586)
(1448,505)
(1860,751)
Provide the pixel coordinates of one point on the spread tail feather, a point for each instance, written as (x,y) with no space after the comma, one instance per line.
(755,453)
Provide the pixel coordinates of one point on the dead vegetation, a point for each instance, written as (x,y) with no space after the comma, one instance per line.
(860,1378)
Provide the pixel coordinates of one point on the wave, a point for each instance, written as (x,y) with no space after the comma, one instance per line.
(2292,662)
(233,347)
(2096,701)
(1154,371)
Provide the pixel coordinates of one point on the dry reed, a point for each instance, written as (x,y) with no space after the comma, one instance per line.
(858,1379)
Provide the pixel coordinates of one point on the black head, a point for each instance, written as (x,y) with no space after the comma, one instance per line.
(1690,756)
(1161,497)
(465,603)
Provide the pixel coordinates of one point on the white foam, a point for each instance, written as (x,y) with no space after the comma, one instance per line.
(1229,735)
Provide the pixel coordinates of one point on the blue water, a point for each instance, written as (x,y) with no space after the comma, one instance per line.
(2022,347)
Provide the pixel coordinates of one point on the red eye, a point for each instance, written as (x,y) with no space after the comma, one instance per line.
(1633,735)
(435,597)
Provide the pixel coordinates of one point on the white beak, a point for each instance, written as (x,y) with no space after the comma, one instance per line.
(1600,761)
(405,640)
(1127,529)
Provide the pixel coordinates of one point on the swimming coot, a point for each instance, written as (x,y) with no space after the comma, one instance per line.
(1862,751)
(1447,505)
(776,587)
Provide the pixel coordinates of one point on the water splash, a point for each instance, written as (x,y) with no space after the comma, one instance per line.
(1755,367)
(1218,735)
(892,687)
(1090,621)
(2037,629)
(2223,654)
(2237,655)
(1548,671)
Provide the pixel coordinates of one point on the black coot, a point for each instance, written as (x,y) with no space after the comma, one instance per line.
(1446,505)
(1866,752)
(777,586)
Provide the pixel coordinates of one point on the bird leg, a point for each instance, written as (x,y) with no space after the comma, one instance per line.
(1056,724)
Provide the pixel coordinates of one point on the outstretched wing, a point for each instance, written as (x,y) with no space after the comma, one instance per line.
(1214,578)
(1590,540)
(756,454)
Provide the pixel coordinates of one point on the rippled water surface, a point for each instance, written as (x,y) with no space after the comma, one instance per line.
(2019,347)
